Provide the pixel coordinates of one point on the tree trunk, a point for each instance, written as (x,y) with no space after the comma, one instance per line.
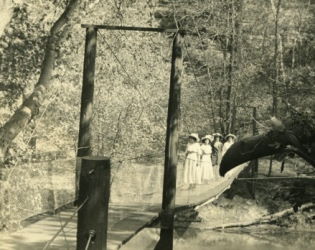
(276,10)
(230,68)
(31,105)
(263,46)
(282,71)
(236,16)
(212,104)
(221,90)
(237,57)
(233,116)
(228,114)
(221,110)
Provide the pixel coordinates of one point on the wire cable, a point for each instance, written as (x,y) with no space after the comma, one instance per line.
(134,85)
(91,235)
(65,224)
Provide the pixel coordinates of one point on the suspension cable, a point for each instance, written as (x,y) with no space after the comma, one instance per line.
(195,75)
(121,65)
(190,60)
(65,224)
(63,232)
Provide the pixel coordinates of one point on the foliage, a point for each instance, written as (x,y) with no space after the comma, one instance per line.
(206,53)
(35,188)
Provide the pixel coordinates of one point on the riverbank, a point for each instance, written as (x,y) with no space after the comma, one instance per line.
(292,231)
(288,224)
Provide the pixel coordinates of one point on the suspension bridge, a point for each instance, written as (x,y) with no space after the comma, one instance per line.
(136,193)
(128,212)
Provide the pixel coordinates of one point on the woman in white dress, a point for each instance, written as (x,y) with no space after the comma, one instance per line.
(192,156)
(206,168)
(230,139)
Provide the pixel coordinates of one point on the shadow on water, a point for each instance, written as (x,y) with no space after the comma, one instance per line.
(196,239)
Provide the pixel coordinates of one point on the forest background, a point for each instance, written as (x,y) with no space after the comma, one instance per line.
(238,54)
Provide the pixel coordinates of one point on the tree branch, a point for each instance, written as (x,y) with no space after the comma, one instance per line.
(265,219)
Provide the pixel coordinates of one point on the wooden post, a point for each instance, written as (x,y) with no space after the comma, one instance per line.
(170,164)
(84,145)
(270,165)
(84,142)
(93,216)
(254,121)
(254,168)
(255,132)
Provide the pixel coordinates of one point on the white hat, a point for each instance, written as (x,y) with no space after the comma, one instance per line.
(209,137)
(230,135)
(194,135)
(218,134)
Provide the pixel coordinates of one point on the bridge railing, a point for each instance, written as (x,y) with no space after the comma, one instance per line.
(36,185)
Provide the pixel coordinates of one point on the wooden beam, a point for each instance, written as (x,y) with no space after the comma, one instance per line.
(170,164)
(86,113)
(84,144)
(93,216)
(130,28)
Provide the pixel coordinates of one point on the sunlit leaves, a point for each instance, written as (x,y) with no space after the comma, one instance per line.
(133,104)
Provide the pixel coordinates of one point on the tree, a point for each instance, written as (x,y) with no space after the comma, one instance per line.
(275,81)
(30,106)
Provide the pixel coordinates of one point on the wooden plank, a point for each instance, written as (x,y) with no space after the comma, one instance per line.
(125,220)
(170,164)
(93,217)
(130,28)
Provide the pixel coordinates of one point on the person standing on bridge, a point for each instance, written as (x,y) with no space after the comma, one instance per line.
(206,169)
(217,154)
(230,139)
(192,157)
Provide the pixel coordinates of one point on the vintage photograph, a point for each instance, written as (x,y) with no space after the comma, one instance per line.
(157,124)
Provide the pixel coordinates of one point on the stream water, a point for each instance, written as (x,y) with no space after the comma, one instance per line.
(296,235)
(195,239)
(268,239)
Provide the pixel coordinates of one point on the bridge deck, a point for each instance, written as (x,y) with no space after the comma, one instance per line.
(125,219)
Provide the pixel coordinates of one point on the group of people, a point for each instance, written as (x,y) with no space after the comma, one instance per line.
(203,157)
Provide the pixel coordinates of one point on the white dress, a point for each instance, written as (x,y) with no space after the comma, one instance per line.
(217,158)
(191,161)
(206,169)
